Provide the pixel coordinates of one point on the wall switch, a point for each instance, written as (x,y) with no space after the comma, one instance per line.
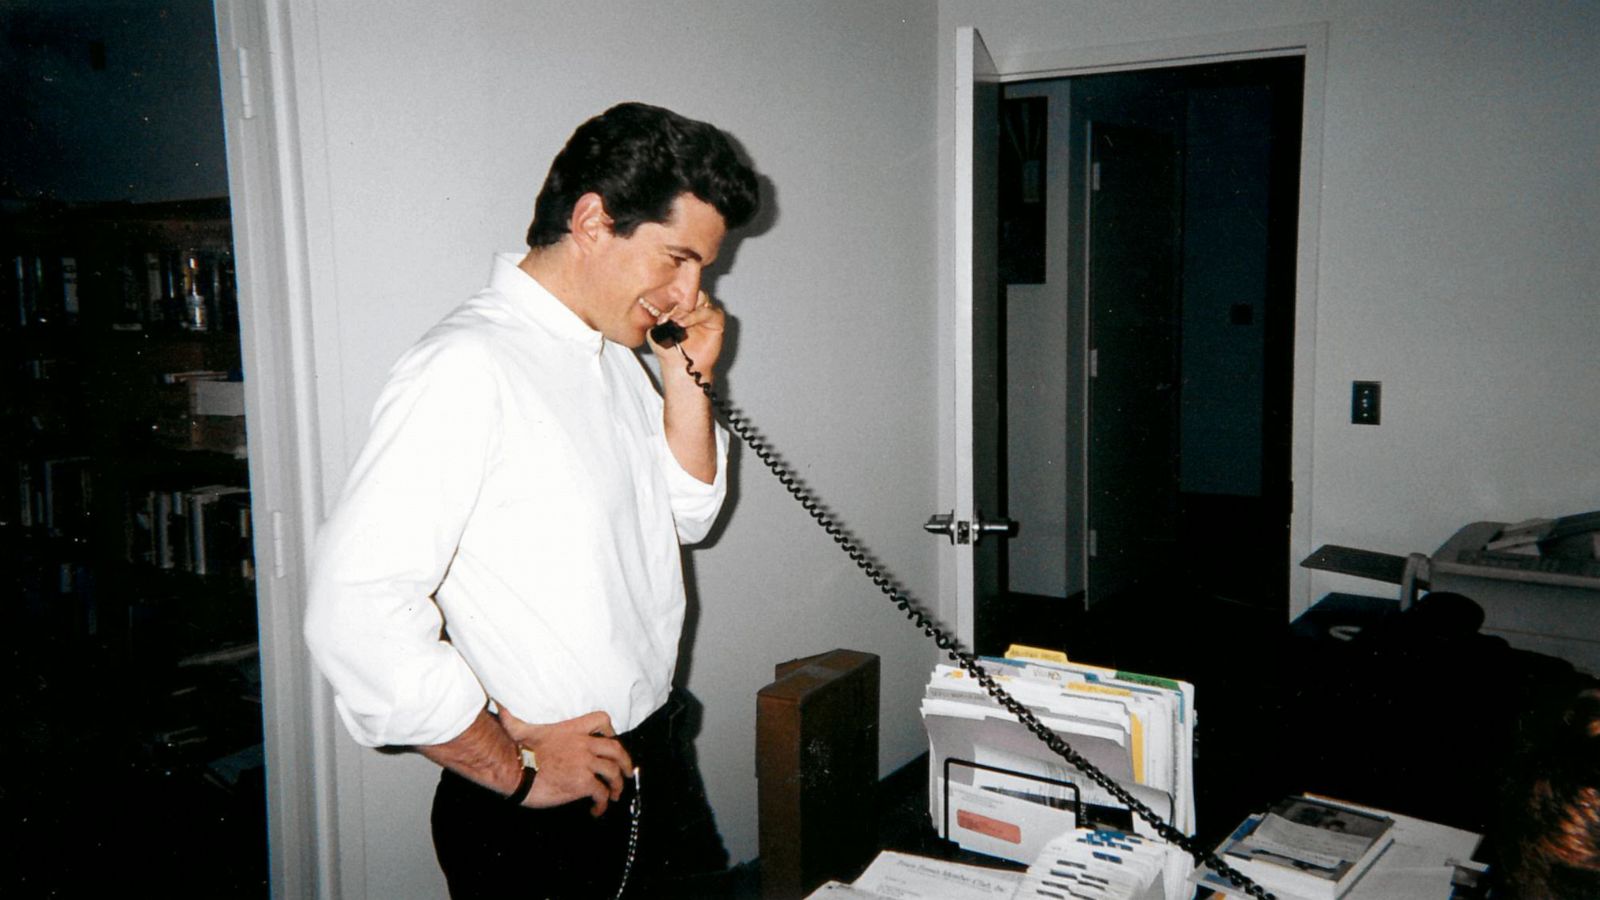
(1364,402)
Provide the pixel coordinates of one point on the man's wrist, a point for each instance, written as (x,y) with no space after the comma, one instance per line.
(530,771)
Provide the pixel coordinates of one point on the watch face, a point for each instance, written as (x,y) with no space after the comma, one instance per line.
(529,761)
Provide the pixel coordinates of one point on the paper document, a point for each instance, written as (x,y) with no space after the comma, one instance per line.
(1419,864)
(1111,865)
(900,876)
(1308,844)
(834,890)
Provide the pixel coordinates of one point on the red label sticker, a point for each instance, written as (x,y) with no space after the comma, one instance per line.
(1004,831)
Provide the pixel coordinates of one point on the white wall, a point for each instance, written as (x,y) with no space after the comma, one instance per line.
(429,127)
(1456,248)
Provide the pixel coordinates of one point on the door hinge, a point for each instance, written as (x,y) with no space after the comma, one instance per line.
(247,85)
(1094,543)
(1094,362)
(277,544)
(1094,177)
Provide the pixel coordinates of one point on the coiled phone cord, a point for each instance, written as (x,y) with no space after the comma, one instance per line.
(740,426)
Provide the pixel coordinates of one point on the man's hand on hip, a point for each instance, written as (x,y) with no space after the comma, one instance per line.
(577,758)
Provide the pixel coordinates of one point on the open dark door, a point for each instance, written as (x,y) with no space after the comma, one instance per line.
(1133,307)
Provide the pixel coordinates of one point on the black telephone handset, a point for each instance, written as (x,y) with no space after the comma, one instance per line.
(670,334)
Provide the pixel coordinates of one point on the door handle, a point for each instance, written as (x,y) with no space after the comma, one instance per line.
(1000,525)
(945,524)
(965,532)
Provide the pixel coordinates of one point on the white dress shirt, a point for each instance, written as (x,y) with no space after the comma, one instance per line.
(510,530)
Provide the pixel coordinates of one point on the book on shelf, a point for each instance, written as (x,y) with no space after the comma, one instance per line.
(202,530)
(1308,848)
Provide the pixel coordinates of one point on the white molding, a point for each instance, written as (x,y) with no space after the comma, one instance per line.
(1308,275)
(263,119)
(1179,51)
(967,42)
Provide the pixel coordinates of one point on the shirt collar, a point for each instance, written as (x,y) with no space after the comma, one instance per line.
(529,299)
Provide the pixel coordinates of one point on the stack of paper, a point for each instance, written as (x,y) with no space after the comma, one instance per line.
(1415,859)
(1107,865)
(1308,848)
(1009,794)
(902,876)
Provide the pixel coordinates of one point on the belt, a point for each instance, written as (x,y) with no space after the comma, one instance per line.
(655,734)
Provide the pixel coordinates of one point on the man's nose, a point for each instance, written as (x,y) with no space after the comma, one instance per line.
(686,287)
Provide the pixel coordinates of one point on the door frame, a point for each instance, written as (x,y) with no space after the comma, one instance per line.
(974,64)
(1308,41)
(269,128)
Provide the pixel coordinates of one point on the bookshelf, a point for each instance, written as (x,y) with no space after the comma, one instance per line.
(125,519)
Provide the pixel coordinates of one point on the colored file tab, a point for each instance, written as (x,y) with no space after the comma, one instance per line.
(1023,651)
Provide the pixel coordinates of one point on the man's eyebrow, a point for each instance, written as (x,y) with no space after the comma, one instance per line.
(686,251)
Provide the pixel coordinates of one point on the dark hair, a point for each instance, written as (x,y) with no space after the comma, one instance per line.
(640,159)
(1553,827)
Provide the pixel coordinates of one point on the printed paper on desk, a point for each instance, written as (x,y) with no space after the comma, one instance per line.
(1003,824)
(951,738)
(906,877)
(1106,864)
(1098,730)
(1443,841)
(834,890)
(1038,789)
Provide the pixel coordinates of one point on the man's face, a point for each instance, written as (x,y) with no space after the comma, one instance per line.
(654,270)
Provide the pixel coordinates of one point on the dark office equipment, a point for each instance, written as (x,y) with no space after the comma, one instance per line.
(817,771)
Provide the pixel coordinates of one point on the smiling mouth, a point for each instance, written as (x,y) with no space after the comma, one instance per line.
(650,309)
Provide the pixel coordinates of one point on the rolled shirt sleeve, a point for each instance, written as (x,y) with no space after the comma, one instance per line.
(371,623)
(695,504)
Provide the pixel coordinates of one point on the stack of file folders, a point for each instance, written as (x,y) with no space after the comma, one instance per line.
(995,788)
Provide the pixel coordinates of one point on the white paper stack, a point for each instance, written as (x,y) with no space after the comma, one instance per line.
(903,876)
(1106,865)
(1423,860)
(1009,794)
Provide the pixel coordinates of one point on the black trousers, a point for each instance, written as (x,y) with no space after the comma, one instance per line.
(490,849)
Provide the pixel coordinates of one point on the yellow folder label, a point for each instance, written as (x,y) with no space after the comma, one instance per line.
(1023,651)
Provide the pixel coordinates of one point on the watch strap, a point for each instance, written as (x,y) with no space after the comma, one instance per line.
(523,787)
(530,771)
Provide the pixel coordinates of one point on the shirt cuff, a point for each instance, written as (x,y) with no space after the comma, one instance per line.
(695,504)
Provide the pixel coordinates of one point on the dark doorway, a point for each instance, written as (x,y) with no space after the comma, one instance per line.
(1177,289)
(136,753)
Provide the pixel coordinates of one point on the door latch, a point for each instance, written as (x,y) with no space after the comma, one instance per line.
(946,524)
(964,532)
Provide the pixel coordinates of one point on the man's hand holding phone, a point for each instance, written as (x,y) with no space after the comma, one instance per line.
(699,333)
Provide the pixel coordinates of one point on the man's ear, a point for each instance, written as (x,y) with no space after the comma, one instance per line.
(589,223)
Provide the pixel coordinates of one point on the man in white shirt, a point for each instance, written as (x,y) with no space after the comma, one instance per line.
(500,586)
